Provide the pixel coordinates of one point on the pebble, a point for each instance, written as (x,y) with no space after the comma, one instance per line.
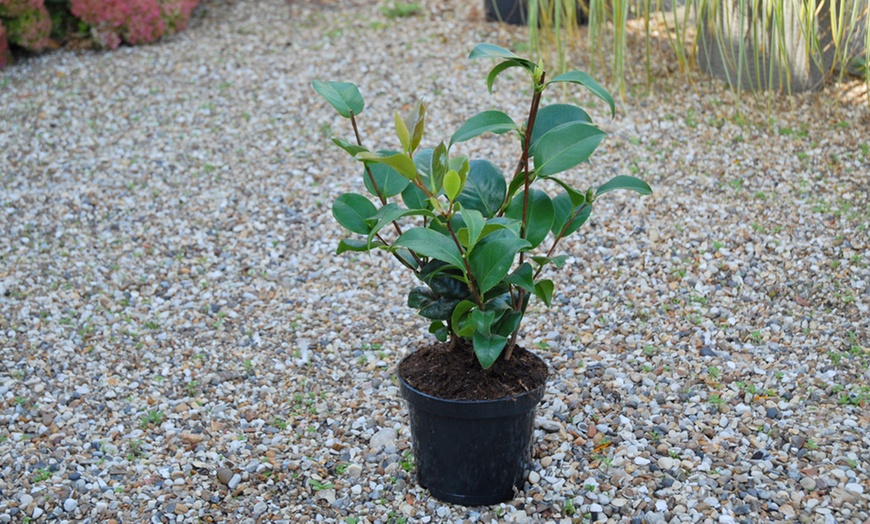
(70,505)
(224,475)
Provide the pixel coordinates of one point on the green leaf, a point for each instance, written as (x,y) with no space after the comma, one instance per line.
(420,297)
(486,122)
(553,116)
(452,185)
(522,277)
(577,198)
(431,244)
(484,320)
(499,69)
(356,245)
(414,122)
(460,165)
(474,224)
(398,161)
(579,77)
(387,179)
(351,149)
(544,291)
(565,147)
(389,214)
(494,51)
(402,132)
(624,182)
(488,349)
(438,329)
(343,96)
(557,261)
(492,260)
(458,317)
(540,215)
(484,188)
(438,168)
(509,323)
(415,198)
(441,309)
(569,217)
(351,210)
(490,51)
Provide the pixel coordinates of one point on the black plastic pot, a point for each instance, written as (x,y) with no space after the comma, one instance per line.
(472,453)
(509,11)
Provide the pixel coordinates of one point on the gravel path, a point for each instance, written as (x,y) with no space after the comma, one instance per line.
(179,343)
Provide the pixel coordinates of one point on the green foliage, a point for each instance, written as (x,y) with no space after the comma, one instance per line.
(477,240)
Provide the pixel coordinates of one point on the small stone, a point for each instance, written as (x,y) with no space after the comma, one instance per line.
(550,426)
(25,500)
(854,487)
(641,461)
(772,412)
(546,462)
(654,518)
(224,475)
(193,438)
(618,502)
(808,483)
(534,477)
(665,463)
(326,494)
(707,351)
(383,439)
(70,505)
(37,512)
(181,509)
(354,471)
(234,482)
(741,509)
(260,508)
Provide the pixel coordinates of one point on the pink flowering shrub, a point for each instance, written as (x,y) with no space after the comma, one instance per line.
(27,23)
(133,21)
(14,8)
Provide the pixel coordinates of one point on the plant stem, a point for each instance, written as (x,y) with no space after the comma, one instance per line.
(524,166)
(477,297)
(380,194)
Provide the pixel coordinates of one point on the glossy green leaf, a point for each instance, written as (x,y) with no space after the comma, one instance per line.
(452,185)
(460,165)
(544,291)
(389,214)
(486,122)
(492,260)
(522,277)
(484,188)
(474,224)
(387,179)
(440,331)
(487,349)
(553,116)
(420,297)
(581,78)
(485,320)
(557,261)
(565,147)
(501,68)
(351,210)
(356,245)
(624,182)
(577,198)
(351,149)
(432,244)
(415,198)
(402,132)
(540,215)
(440,309)
(343,96)
(438,169)
(398,161)
(494,51)
(449,287)
(414,122)
(458,319)
(568,217)
(509,323)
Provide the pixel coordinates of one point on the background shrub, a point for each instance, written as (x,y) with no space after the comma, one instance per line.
(28,23)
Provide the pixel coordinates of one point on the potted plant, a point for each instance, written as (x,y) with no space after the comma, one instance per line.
(478,243)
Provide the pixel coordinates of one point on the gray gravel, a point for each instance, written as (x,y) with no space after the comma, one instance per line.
(179,343)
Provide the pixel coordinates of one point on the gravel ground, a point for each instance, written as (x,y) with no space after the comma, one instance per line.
(180,344)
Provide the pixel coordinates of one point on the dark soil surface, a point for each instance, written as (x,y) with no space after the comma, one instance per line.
(455,374)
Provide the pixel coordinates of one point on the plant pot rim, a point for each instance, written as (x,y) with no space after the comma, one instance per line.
(492,408)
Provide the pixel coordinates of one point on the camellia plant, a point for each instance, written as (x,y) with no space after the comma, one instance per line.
(478,241)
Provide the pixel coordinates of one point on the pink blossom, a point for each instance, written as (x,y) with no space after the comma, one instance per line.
(14,8)
(134,21)
(31,28)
